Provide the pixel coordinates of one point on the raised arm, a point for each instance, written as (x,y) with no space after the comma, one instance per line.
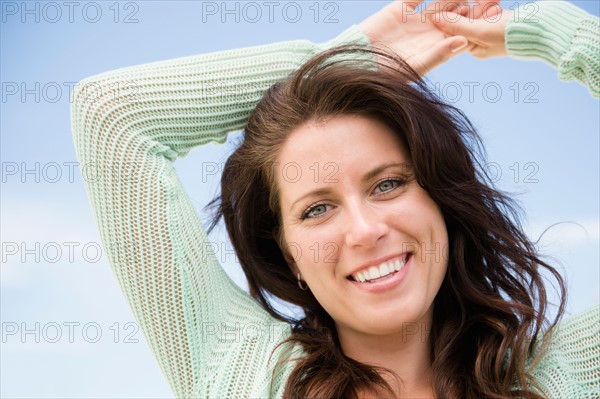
(560,34)
(130,125)
(554,31)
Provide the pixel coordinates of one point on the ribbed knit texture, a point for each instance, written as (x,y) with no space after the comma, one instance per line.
(571,366)
(561,34)
(209,337)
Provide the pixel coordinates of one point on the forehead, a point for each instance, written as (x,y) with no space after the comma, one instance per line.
(341,138)
(343,147)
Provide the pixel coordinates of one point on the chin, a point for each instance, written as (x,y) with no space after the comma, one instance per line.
(395,321)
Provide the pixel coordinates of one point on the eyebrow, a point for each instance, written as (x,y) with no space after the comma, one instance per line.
(405,166)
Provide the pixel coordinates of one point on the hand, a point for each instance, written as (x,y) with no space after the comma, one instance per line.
(466,8)
(482,23)
(412,35)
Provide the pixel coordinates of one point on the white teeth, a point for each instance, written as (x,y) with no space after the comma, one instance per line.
(398,265)
(383,270)
(373,273)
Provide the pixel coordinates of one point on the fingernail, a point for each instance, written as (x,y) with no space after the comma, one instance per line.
(458,45)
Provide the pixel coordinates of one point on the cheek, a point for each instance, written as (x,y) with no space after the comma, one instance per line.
(314,250)
(435,246)
(421,219)
(438,228)
(312,244)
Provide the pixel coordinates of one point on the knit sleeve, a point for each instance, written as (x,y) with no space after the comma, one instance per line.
(129,126)
(570,368)
(561,34)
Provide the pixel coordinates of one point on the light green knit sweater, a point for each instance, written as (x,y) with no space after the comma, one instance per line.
(209,337)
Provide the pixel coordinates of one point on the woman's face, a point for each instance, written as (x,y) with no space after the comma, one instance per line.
(351,212)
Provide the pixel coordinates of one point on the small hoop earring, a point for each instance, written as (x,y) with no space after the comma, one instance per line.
(303,287)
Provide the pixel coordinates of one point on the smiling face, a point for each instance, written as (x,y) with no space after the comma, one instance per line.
(368,240)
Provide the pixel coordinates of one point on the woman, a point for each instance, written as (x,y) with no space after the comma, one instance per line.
(459,314)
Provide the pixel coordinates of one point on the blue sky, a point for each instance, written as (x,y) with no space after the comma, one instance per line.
(541,136)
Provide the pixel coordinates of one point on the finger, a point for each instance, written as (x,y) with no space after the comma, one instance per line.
(491,12)
(456,25)
(484,7)
(462,8)
(409,5)
(438,54)
(400,9)
(442,6)
(459,7)
(469,9)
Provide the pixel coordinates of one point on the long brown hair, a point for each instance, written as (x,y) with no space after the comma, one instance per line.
(491,307)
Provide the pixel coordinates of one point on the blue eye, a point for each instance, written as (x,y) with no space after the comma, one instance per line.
(384,186)
(314,211)
(388,185)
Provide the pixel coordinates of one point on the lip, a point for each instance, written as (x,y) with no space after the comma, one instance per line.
(388,283)
(377,262)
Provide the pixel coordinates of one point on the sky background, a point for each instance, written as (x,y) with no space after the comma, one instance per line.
(67,331)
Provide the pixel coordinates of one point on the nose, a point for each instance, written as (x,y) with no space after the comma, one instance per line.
(365,227)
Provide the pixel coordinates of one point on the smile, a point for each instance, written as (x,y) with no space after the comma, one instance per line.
(381,271)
